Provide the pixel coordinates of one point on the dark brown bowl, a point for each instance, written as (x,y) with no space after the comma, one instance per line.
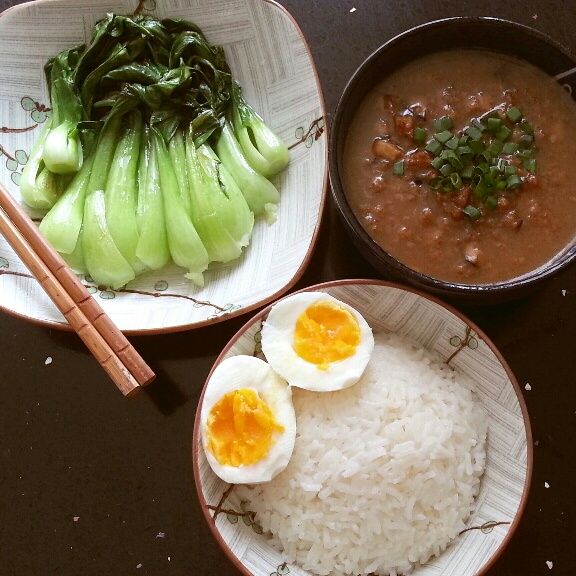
(462,32)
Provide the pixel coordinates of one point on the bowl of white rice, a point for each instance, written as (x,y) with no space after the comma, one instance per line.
(422,467)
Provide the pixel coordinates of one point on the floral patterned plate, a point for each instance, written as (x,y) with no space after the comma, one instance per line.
(453,339)
(270,58)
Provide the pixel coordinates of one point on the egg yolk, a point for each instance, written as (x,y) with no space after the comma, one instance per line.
(326,332)
(241,428)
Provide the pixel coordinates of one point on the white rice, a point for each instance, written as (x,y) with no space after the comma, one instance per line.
(384,474)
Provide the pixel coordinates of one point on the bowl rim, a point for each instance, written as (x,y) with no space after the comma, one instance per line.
(196,436)
(438,286)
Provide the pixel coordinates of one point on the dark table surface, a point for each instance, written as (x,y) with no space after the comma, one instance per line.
(93,483)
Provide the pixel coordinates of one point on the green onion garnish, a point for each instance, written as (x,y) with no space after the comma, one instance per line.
(472,212)
(467,172)
(434,147)
(514,114)
(398,168)
(473,132)
(525,140)
(529,164)
(526,127)
(447,169)
(479,155)
(510,148)
(477,146)
(437,162)
(513,181)
(453,143)
(491,202)
(443,137)
(494,124)
(420,135)
(495,147)
(503,133)
(443,123)
(456,180)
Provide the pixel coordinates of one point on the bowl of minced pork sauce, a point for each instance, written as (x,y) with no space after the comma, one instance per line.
(456,166)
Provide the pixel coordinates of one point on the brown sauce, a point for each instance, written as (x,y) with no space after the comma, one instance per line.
(461,235)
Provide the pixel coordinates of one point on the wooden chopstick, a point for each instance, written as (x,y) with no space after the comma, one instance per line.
(23,231)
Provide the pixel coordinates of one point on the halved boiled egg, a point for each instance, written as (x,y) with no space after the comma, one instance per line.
(316,342)
(247,421)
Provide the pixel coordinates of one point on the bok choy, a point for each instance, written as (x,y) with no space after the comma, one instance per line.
(151,153)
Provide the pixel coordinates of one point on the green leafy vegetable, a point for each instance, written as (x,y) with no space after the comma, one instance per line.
(151,153)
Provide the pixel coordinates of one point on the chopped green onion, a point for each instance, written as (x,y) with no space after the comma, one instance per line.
(514,114)
(456,180)
(529,164)
(494,124)
(510,170)
(447,169)
(513,181)
(435,183)
(453,143)
(434,147)
(447,185)
(525,152)
(398,168)
(500,183)
(464,150)
(443,137)
(467,172)
(526,127)
(438,162)
(491,202)
(503,133)
(473,132)
(479,125)
(443,123)
(481,190)
(477,146)
(495,147)
(472,212)
(420,135)
(510,148)
(525,140)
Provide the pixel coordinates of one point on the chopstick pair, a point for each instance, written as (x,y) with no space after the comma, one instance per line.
(102,337)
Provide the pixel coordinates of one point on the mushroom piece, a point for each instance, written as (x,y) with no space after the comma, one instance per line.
(387,150)
(472,254)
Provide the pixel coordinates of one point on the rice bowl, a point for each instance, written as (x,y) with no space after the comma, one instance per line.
(241,519)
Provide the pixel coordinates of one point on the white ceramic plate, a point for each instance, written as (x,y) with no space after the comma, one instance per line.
(270,58)
(453,339)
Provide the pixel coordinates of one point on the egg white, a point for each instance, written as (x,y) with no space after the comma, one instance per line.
(277,345)
(237,372)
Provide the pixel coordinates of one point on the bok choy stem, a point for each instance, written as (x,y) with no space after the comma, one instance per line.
(121,192)
(63,152)
(265,151)
(61,225)
(186,247)
(152,248)
(262,196)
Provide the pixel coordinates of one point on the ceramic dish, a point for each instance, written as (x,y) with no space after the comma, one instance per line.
(458,342)
(492,34)
(270,58)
